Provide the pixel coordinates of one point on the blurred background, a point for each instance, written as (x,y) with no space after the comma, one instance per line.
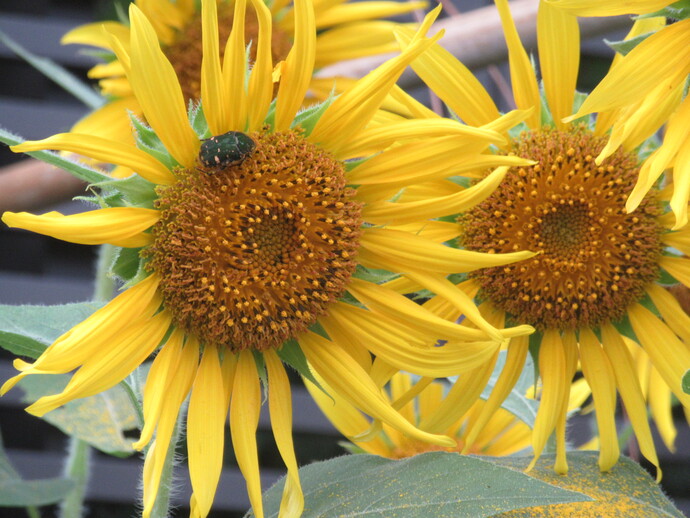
(40,270)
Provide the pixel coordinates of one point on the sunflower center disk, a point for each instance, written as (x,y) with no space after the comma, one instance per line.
(594,259)
(185,53)
(252,254)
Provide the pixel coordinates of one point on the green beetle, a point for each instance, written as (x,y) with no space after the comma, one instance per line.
(231,148)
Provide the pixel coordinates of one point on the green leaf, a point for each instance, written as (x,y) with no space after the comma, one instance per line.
(60,75)
(127,263)
(99,420)
(77,169)
(626,490)
(15,492)
(685,382)
(32,328)
(625,46)
(437,484)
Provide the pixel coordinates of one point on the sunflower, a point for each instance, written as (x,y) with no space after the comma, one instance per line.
(347,30)
(251,226)
(418,400)
(643,102)
(600,271)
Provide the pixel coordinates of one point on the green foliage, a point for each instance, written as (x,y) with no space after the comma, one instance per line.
(99,420)
(28,330)
(291,354)
(625,46)
(127,263)
(435,484)
(15,492)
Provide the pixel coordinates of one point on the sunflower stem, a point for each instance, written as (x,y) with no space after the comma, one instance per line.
(77,469)
(104,285)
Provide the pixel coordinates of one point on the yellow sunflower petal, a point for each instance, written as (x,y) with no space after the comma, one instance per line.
(460,397)
(160,374)
(111,366)
(105,150)
(384,212)
(678,267)
(515,360)
(671,311)
(625,85)
(677,134)
(609,7)
(244,419)
(394,305)
(525,87)
(119,226)
(601,378)
(387,341)
(95,34)
(299,66)
(661,407)
(629,386)
(180,383)
(353,109)
(260,82)
(280,407)
(213,93)
(205,429)
(348,379)
(158,91)
(552,369)
(234,71)
(110,121)
(669,355)
(558,37)
(349,12)
(419,254)
(453,82)
(681,186)
(345,42)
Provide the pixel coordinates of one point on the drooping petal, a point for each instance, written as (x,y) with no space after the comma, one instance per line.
(244,419)
(558,36)
(118,226)
(158,91)
(601,378)
(629,386)
(205,429)
(111,366)
(105,150)
(348,379)
(280,407)
(178,386)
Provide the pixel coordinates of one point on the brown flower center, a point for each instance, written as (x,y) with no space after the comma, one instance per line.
(252,254)
(594,259)
(186,52)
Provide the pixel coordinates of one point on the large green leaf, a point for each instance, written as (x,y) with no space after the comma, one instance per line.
(15,492)
(100,420)
(27,330)
(437,484)
(627,490)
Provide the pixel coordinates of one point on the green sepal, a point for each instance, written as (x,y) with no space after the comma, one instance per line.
(666,278)
(197,119)
(533,348)
(307,118)
(270,119)
(372,275)
(678,11)
(625,46)
(77,169)
(127,263)
(624,327)
(291,354)
(261,370)
(147,140)
(138,190)
(685,382)
(40,325)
